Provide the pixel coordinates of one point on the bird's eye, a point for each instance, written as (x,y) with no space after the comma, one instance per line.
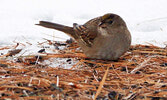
(110,22)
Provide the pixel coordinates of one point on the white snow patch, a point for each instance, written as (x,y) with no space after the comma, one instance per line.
(146,19)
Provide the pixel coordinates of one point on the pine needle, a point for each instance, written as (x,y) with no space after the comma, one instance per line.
(101,83)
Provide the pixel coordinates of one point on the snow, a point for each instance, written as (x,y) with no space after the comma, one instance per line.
(146,19)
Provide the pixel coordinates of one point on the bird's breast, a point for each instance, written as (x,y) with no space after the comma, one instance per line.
(103,31)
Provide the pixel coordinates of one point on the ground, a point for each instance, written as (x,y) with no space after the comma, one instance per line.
(138,74)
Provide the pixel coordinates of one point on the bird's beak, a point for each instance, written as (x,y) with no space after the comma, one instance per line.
(101,23)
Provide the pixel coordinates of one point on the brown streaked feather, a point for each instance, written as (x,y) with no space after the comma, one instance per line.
(84,34)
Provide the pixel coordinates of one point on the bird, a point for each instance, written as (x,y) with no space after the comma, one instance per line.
(105,37)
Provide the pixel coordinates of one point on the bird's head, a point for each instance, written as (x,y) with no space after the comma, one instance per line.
(110,20)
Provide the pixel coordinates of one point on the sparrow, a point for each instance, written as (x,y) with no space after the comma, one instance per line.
(106,37)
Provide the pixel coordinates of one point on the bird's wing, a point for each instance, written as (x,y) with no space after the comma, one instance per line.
(85,34)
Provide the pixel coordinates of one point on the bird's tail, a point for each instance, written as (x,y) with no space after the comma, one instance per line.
(66,29)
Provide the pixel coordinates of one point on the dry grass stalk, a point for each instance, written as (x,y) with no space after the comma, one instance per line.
(101,84)
(143,64)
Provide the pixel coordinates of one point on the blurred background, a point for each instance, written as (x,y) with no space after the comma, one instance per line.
(146,19)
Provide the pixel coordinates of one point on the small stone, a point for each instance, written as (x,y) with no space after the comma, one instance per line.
(68,60)
(138,72)
(112,95)
(134,86)
(3,65)
(155,98)
(163,65)
(163,86)
(155,92)
(41,51)
(69,41)
(123,69)
(38,57)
